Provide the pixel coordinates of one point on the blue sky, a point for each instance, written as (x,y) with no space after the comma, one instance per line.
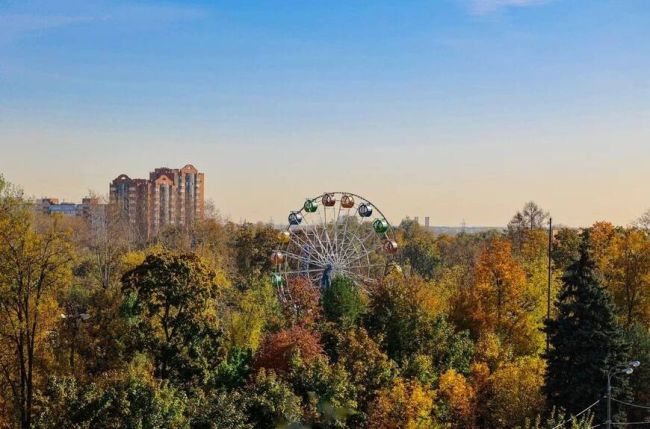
(455,109)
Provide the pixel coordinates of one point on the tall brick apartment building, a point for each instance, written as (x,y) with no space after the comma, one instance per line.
(170,196)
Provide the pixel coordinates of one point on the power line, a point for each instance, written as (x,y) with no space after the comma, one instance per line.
(645,407)
(577,415)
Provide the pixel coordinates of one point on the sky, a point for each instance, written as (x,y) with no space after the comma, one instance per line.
(461,110)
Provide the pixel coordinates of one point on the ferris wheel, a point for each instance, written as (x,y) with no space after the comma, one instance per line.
(336,233)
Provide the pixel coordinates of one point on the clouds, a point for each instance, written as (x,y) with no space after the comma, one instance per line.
(482,7)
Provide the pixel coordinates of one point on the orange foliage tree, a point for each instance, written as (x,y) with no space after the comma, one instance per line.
(304,305)
(278,348)
(499,302)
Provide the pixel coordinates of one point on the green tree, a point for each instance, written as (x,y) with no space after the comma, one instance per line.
(132,399)
(326,391)
(272,402)
(369,367)
(403,316)
(639,340)
(585,339)
(253,246)
(173,306)
(419,249)
(219,409)
(566,243)
(343,302)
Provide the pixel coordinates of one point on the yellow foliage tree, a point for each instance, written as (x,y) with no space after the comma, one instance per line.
(629,275)
(458,395)
(515,392)
(404,405)
(35,260)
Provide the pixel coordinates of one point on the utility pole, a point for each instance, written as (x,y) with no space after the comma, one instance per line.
(550,273)
(609,400)
(627,370)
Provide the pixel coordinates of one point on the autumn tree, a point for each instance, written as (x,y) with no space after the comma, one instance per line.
(173,306)
(530,218)
(643,222)
(500,301)
(457,400)
(303,307)
(629,275)
(405,316)
(278,348)
(253,245)
(249,314)
(328,396)
(516,392)
(601,239)
(35,263)
(404,405)
(368,366)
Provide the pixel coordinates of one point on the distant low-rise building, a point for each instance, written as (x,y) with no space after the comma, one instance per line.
(91,208)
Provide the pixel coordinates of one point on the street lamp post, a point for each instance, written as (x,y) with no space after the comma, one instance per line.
(77,318)
(629,369)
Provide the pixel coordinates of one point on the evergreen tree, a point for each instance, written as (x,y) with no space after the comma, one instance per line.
(586,340)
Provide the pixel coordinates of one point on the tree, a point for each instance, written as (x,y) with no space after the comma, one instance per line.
(515,392)
(173,306)
(369,368)
(404,405)
(327,394)
(500,301)
(279,348)
(219,409)
(457,398)
(132,399)
(249,314)
(303,307)
(638,337)
(404,315)
(419,249)
(107,241)
(253,246)
(530,218)
(35,263)
(585,339)
(629,277)
(271,402)
(565,247)
(343,302)
(643,221)
(601,238)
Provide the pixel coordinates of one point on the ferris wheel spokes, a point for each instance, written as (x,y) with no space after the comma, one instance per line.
(336,233)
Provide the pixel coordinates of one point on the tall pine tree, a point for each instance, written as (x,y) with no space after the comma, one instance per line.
(585,341)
